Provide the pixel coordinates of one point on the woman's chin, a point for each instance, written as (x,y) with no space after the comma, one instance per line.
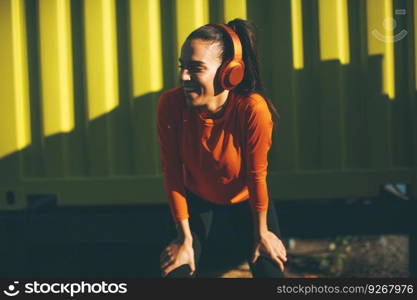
(192,100)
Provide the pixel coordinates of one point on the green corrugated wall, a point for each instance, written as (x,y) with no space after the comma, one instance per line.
(79,81)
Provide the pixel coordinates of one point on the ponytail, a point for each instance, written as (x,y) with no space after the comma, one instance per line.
(252,81)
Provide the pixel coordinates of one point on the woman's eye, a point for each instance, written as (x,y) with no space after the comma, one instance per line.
(192,69)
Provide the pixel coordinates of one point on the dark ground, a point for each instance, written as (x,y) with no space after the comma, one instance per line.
(358,237)
(370,256)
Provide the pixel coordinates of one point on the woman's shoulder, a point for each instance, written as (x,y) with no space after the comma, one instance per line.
(251,102)
(170,104)
(254,109)
(172,97)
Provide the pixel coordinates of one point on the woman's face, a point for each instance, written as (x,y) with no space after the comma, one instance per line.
(199,62)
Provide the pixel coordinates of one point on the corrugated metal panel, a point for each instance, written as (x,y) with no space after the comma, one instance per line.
(410,24)
(412,54)
(14,101)
(79,82)
(334,34)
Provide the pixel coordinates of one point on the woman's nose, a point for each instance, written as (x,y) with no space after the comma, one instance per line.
(184,74)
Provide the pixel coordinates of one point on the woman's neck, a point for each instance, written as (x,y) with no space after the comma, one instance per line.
(217,104)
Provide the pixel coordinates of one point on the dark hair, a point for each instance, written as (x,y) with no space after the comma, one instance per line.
(246,32)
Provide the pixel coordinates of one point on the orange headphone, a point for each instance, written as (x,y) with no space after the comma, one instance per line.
(232,71)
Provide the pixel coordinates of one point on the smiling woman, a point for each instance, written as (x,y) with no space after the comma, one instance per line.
(215,132)
(199,63)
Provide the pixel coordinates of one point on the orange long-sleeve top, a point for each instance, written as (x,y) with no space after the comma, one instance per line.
(222,160)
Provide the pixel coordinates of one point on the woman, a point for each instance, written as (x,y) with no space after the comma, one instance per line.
(214,134)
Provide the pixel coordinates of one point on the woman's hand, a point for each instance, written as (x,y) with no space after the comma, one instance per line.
(269,245)
(177,253)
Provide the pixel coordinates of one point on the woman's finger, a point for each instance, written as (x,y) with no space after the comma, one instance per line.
(167,255)
(169,269)
(255,258)
(167,262)
(165,252)
(282,257)
(278,251)
(278,262)
(164,257)
(283,248)
(282,251)
(255,255)
(192,266)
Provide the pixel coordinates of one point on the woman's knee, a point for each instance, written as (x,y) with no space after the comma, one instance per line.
(266,268)
(182,271)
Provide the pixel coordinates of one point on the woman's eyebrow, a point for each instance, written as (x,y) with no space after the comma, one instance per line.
(196,62)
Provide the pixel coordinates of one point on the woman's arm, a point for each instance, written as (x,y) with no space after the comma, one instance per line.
(183,231)
(168,120)
(180,250)
(259,222)
(258,143)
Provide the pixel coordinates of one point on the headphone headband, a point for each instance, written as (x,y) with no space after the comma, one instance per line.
(237,46)
(231,72)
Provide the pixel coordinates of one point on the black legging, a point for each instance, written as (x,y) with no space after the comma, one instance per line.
(239,216)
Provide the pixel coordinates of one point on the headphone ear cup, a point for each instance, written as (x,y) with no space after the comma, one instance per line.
(232,75)
(219,77)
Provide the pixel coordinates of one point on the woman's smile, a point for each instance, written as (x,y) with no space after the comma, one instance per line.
(191,89)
